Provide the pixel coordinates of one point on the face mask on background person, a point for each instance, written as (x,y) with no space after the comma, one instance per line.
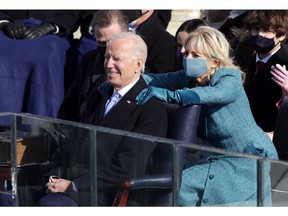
(102,49)
(180,56)
(262,44)
(194,67)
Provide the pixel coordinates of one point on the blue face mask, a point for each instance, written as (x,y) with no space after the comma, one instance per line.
(261,44)
(194,67)
(101,50)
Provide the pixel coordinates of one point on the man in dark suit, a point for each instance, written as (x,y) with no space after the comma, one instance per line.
(268,30)
(118,157)
(161,44)
(219,19)
(91,74)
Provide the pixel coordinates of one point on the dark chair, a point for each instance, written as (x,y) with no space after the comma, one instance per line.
(279,170)
(182,125)
(280,137)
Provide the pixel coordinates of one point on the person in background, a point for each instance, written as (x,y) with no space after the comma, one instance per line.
(226,122)
(86,41)
(165,17)
(268,32)
(238,17)
(33,46)
(231,25)
(161,44)
(91,73)
(242,48)
(219,19)
(83,42)
(181,34)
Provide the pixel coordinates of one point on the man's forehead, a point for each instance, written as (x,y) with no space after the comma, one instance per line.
(123,42)
(119,46)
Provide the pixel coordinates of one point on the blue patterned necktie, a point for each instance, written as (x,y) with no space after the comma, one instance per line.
(112,102)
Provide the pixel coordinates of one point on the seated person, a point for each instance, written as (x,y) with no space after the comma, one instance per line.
(125,58)
(91,72)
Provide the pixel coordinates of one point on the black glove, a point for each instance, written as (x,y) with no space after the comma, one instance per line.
(40,31)
(3,25)
(14,30)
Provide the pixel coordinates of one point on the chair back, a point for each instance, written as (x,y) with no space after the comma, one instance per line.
(280,137)
(182,126)
(182,122)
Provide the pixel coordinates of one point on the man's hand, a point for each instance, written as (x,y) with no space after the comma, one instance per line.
(14,30)
(40,31)
(3,25)
(57,185)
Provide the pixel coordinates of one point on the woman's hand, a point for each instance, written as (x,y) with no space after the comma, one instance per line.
(160,93)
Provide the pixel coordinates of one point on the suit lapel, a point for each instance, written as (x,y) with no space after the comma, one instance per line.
(100,107)
(127,104)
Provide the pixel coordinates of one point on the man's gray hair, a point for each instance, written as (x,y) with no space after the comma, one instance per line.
(138,45)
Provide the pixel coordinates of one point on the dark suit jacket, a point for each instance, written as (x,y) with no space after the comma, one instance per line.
(89,76)
(120,157)
(161,45)
(263,93)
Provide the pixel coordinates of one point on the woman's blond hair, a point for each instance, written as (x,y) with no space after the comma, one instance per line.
(213,44)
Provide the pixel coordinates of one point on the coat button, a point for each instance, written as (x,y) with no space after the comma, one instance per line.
(205,200)
(211,176)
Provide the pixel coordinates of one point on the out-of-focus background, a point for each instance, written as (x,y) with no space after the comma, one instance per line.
(177,18)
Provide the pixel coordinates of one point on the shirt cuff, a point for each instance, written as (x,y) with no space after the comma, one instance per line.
(4,21)
(74,187)
(57,29)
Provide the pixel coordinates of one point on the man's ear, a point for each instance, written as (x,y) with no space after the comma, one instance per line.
(139,64)
(282,38)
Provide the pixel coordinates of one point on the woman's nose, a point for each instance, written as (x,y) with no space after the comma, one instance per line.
(189,55)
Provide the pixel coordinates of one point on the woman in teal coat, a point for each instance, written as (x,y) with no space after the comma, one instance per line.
(226,122)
